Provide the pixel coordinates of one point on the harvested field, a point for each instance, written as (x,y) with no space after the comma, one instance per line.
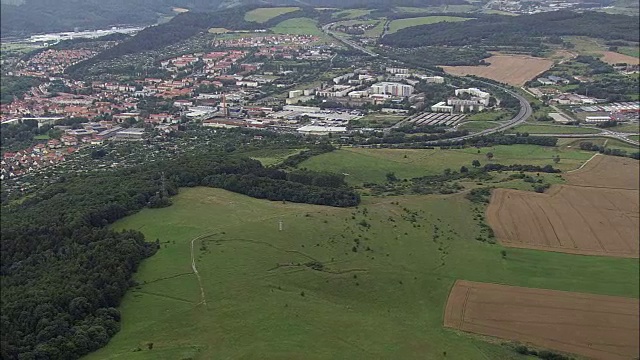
(595,326)
(607,172)
(596,214)
(510,69)
(611,57)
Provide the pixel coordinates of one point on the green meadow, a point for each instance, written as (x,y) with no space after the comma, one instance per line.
(552,129)
(405,23)
(332,283)
(371,165)
(298,26)
(262,15)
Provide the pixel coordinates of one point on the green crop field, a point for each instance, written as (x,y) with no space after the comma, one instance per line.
(371,165)
(352,283)
(405,23)
(552,129)
(298,26)
(262,15)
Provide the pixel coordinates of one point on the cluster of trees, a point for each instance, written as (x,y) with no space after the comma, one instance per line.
(21,135)
(15,86)
(613,88)
(499,139)
(420,129)
(524,31)
(519,167)
(589,146)
(543,354)
(64,273)
(596,65)
(431,56)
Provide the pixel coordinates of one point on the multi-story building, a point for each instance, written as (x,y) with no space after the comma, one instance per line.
(391,88)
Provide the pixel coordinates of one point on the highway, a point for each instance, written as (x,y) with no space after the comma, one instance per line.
(522,116)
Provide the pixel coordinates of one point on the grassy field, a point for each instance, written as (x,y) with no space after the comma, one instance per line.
(271,156)
(405,23)
(262,15)
(489,115)
(437,9)
(552,129)
(630,127)
(475,126)
(298,26)
(634,137)
(351,13)
(371,165)
(377,120)
(629,50)
(384,300)
(41,137)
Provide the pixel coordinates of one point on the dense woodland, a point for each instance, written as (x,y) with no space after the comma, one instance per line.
(525,30)
(15,86)
(37,16)
(64,273)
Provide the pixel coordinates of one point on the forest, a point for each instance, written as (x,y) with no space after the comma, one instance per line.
(40,16)
(64,272)
(525,30)
(15,86)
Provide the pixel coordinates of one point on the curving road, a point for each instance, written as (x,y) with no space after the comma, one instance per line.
(522,116)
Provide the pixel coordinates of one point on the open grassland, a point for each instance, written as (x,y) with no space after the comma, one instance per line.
(399,24)
(597,47)
(509,69)
(629,127)
(632,51)
(573,143)
(371,165)
(377,120)
(357,283)
(351,13)
(476,126)
(634,137)
(262,15)
(298,26)
(437,9)
(595,326)
(596,213)
(552,129)
(271,156)
(488,115)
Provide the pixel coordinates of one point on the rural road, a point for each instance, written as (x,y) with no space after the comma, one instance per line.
(522,116)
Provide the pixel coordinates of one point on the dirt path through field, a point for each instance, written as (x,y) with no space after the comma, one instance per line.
(195,269)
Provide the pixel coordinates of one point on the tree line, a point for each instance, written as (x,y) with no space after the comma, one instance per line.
(64,273)
(524,31)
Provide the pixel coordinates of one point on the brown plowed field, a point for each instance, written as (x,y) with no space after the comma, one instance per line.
(607,172)
(613,58)
(509,69)
(596,214)
(596,326)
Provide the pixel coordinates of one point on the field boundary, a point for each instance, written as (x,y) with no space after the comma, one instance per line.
(585,163)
